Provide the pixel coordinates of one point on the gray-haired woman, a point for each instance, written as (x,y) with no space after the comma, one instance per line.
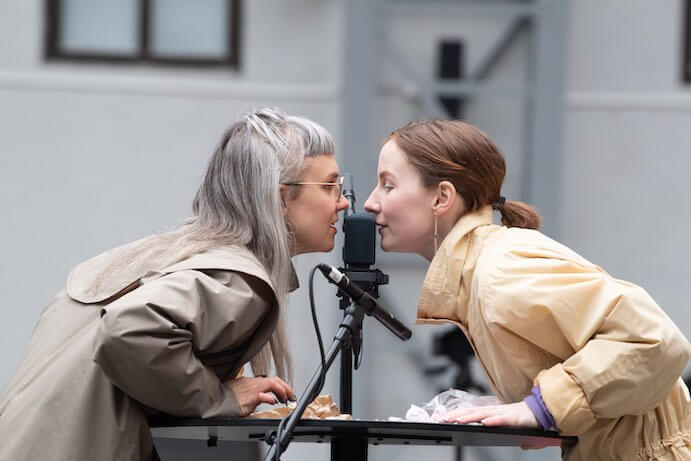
(165,324)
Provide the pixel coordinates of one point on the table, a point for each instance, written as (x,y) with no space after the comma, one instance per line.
(349,439)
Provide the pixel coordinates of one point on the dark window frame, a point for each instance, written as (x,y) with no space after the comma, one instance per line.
(143,56)
(686,63)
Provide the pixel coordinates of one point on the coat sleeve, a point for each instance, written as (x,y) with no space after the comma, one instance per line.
(620,353)
(149,341)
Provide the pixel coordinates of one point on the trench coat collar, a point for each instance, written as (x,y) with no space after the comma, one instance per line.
(293,282)
(446,290)
(82,286)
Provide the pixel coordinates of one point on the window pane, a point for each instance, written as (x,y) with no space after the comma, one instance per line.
(102,26)
(191,28)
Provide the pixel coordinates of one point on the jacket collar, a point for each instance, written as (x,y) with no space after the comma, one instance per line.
(445,290)
(87,284)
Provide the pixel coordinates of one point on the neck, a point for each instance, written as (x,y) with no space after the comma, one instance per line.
(429,251)
(294,250)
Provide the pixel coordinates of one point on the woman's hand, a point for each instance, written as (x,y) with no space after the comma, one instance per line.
(250,392)
(512,415)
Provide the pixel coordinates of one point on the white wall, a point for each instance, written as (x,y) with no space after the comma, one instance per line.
(627,152)
(94,156)
(281,42)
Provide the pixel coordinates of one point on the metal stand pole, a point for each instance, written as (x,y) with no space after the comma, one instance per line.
(351,321)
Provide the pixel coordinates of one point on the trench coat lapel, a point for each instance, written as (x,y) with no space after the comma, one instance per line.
(87,284)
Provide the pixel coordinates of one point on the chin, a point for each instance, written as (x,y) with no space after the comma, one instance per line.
(327,246)
(393,247)
(386,245)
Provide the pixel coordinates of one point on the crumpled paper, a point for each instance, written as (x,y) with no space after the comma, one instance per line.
(451,399)
(323,407)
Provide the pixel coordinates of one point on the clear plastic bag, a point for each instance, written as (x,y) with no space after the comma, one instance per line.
(435,409)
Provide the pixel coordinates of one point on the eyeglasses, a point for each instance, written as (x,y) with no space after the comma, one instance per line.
(335,187)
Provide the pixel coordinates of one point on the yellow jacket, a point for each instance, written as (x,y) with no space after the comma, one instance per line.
(606,357)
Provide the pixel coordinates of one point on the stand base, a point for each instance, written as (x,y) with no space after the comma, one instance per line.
(348,449)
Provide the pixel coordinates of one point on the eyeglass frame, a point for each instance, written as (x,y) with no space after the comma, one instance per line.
(339,184)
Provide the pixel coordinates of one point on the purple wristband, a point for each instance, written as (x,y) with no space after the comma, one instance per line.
(539,409)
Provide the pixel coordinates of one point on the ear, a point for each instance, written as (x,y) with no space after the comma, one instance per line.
(283,190)
(445,198)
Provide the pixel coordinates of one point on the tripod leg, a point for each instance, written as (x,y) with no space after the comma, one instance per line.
(347,380)
(349,449)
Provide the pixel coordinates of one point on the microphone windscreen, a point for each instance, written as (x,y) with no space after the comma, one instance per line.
(359,240)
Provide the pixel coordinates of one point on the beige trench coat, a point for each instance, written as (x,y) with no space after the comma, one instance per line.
(100,360)
(606,357)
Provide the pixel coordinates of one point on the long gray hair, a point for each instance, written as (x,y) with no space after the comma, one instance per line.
(239,203)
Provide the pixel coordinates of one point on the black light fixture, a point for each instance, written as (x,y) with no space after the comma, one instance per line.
(450,67)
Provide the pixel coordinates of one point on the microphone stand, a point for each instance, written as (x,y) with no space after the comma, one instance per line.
(358,255)
(369,280)
(352,321)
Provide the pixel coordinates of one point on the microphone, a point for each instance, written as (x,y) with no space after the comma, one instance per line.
(364,299)
(349,193)
(359,232)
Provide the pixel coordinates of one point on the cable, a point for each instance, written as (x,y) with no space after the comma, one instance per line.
(277,439)
(322,376)
(322,373)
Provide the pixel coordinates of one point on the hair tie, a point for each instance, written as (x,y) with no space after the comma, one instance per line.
(499,203)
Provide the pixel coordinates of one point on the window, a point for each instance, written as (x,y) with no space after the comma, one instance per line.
(195,32)
(686,63)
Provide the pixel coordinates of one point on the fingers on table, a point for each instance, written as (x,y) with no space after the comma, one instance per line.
(513,415)
(497,420)
(278,387)
(469,415)
(267,397)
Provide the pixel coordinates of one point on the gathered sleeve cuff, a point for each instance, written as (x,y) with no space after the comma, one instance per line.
(540,410)
(565,400)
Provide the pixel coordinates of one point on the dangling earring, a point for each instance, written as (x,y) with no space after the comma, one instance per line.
(436,234)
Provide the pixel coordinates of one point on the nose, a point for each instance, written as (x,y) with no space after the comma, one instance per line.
(342,203)
(372,205)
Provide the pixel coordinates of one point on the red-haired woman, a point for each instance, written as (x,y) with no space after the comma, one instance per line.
(567,346)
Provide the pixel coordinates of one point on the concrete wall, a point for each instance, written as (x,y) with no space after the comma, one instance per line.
(92,156)
(627,150)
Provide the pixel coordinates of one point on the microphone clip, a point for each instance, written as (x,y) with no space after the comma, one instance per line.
(349,289)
